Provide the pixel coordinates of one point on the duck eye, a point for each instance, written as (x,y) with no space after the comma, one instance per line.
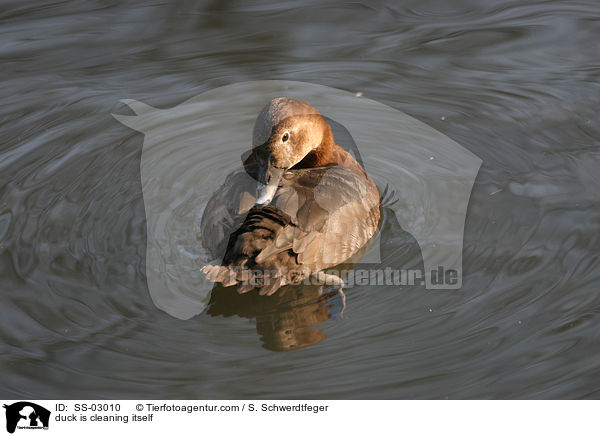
(285,137)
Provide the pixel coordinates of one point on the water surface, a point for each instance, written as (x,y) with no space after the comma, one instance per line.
(516,84)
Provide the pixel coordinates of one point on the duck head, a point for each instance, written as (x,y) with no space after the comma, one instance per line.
(286,132)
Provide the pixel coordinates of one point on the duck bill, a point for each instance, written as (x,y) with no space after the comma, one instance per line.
(268,182)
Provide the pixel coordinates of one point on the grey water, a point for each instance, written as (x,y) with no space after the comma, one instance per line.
(515,83)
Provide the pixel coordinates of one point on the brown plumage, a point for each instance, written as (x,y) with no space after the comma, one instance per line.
(318,207)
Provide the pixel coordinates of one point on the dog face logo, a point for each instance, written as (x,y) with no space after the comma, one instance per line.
(26,415)
(430,174)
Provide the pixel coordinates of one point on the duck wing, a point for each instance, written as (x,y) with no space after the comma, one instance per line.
(319,218)
(335,212)
(226,211)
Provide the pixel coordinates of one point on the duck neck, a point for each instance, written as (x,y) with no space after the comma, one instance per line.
(327,153)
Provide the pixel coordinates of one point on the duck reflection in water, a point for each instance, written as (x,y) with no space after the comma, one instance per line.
(288,320)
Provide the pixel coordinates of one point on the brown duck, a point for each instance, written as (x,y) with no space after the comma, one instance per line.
(301,204)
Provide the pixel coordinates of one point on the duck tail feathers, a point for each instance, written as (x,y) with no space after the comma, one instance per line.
(219,273)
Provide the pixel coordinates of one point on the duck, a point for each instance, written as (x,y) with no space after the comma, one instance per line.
(300,205)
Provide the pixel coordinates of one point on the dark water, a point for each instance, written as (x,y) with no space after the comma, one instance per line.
(515,83)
